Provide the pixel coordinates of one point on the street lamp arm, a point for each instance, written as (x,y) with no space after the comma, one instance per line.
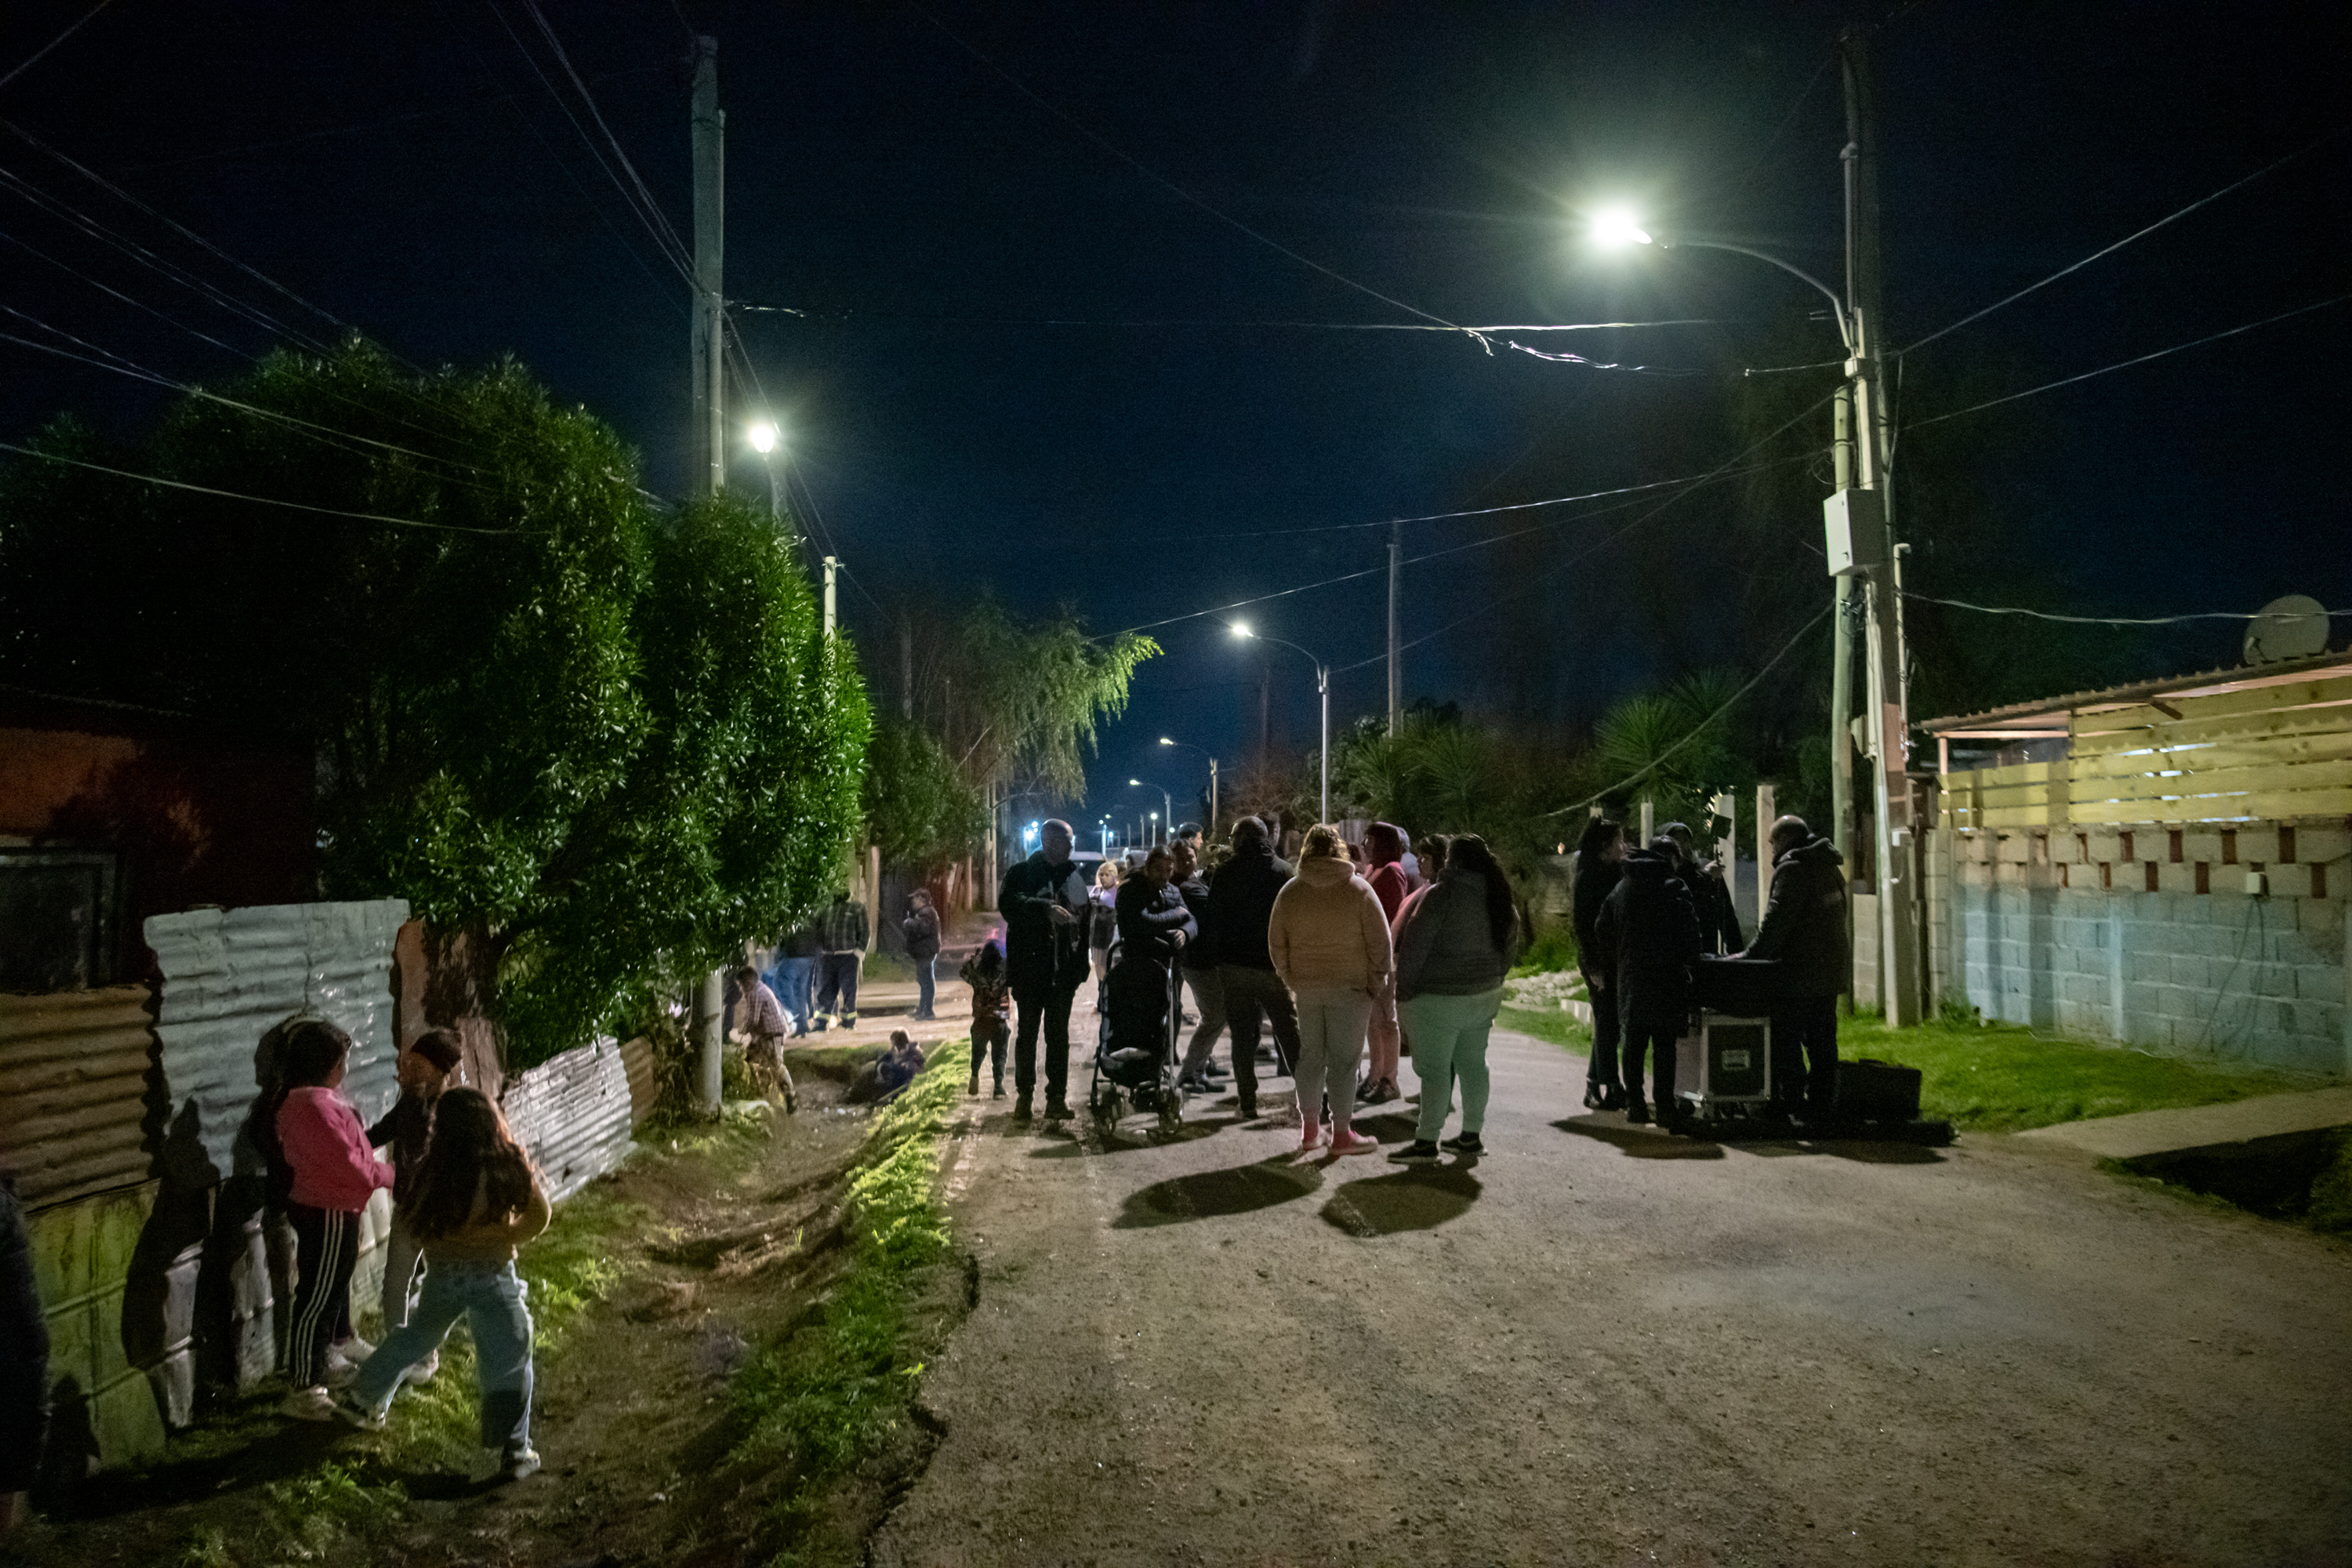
(1837,305)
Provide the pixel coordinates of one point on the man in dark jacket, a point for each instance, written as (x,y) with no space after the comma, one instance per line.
(1154,927)
(842,931)
(1046,913)
(1647,925)
(1718,912)
(920,930)
(1599,856)
(1241,902)
(1199,961)
(1805,928)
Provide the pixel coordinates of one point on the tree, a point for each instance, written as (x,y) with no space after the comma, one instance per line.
(920,811)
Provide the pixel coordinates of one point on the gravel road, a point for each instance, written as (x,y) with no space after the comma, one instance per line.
(1600,1345)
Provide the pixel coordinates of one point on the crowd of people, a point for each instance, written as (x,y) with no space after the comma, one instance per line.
(1352,957)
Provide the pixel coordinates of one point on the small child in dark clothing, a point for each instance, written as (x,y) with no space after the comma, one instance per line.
(424,1069)
(992,1003)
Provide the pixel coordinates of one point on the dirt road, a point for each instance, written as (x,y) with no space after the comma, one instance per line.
(1597,1344)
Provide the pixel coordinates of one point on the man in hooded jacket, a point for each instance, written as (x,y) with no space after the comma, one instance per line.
(1241,902)
(1805,928)
(1600,861)
(1047,913)
(1649,927)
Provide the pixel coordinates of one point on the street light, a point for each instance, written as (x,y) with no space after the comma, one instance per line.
(765,438)
(1323,687)
(1182,746)
(1165,798)
(1860,548)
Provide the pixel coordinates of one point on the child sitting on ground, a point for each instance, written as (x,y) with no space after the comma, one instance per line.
(425,1068)
(991,1002)
(477,1199)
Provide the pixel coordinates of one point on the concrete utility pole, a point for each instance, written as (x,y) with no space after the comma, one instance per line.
(1862,545)
(832,567)
(1841,658)
(708,127)
(1396,666)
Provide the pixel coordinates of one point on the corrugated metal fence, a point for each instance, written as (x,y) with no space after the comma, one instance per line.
(73,1091)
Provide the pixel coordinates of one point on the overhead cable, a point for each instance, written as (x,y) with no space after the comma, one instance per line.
(1490,510)
(2107,620)
(260,501)
(37,55)
(2141,234)
(2126,365)
(644,193)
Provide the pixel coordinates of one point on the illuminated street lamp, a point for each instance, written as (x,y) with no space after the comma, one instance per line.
(765,438)
(1212,779)
(1323,686)
(1166,799)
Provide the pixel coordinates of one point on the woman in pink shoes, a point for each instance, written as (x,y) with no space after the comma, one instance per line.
(1330,941)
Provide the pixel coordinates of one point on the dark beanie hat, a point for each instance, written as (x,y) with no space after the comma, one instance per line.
(438,1046)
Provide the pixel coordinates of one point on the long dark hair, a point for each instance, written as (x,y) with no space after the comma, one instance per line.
(470,1152)
(309,1051)
(1468,852)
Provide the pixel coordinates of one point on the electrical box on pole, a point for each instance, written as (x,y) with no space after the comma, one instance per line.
(1854,531)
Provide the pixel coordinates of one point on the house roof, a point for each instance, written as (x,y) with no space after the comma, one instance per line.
(2051,715)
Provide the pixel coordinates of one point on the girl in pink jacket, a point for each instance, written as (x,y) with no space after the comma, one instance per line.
(327,1173)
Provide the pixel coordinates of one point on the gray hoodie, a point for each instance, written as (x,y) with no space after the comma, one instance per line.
(1445,947)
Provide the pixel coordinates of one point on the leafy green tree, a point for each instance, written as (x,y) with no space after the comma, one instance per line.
(920,812)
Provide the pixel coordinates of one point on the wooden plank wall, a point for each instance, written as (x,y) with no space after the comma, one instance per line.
(2275,752)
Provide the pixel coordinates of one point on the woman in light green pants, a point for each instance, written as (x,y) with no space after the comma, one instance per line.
(1454,947)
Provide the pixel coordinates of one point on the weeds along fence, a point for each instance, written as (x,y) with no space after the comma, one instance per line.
(122,1112)
(2173,875)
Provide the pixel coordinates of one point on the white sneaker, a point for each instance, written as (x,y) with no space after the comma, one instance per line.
(308,1404)
(354,1350)
(423,1370)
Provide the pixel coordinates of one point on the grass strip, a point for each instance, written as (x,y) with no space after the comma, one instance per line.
(834,1391)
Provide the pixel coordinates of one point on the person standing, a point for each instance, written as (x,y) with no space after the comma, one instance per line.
(1384,849)
(921,931)
(841,934)
(1329,940)
(425,1068)
(1458,943)
(1199,963)
(1099,931)
(1647,924)
(1600,856)
(1241,902)
(1805,928)
(1718,911)
(795,981)
(1048,918)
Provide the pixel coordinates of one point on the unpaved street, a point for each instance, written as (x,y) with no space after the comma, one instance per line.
(1600,1345)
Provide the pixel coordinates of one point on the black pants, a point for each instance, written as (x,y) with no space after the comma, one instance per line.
(1607,1028)
(1646,1037)
(1804,1054)
(1048,1005)
(327,1247)
(988,1040)
(837,979)
(1250,993)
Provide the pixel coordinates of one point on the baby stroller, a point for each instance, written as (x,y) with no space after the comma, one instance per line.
(1140,1020)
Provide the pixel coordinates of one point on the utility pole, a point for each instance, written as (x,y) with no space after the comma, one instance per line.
(905,668)
(708,128)
(832,567)
(1868,553)
(1396,667)
(1842,660)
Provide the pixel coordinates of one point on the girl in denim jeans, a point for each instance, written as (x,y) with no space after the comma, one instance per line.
(476,1199)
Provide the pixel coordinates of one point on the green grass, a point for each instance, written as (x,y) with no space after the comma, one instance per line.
(1554,948)
(2004,1077)
(834,1391)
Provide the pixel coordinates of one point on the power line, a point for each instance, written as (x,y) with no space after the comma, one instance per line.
(2142,234)
(53,43)
(1490,510)
(763,308)
(260,501)
(2126,364)
(1785,650)
(117,293)
(2105,620)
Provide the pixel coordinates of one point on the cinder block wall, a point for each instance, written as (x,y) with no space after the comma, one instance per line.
(2152,936)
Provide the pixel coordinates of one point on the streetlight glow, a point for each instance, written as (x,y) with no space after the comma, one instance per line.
(1613,228)
(765,436)
(1241,629)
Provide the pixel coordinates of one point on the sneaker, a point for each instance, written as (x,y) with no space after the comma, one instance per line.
(1310,1138)
(1056,1112)
(1353,1142)
(341,1373)
(1021,1111)
(1637,1111)
(519,1462)
(308,1404)
(1465,1143)
(974,1090)
(353,1414)
(999,1094)
(354,1350)
(423,1370)
(1249,1109)
(1420,1152)
(1376,1093)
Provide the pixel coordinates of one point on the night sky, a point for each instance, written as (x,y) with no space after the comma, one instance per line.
(407,169)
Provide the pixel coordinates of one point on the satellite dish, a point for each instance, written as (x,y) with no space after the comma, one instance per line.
(2291,627)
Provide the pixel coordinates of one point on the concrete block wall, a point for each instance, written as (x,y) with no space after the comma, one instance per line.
(2153,937)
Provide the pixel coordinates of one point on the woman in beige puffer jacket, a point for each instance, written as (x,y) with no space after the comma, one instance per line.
(1330,941)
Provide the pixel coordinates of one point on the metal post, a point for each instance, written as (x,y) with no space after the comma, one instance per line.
(1396,666)
(1842,660)
(832,566)
(1323,686)
(1764,814)
(1212,798)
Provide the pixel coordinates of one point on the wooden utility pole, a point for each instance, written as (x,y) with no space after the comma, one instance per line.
(708,130)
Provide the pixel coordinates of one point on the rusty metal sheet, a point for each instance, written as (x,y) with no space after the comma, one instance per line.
(74,1104)
(637,1061)
(230,976)
(573,1114)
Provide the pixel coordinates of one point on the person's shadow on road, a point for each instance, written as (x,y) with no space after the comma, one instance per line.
(1639,1143)
(1416,1198)
(1210,1194)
